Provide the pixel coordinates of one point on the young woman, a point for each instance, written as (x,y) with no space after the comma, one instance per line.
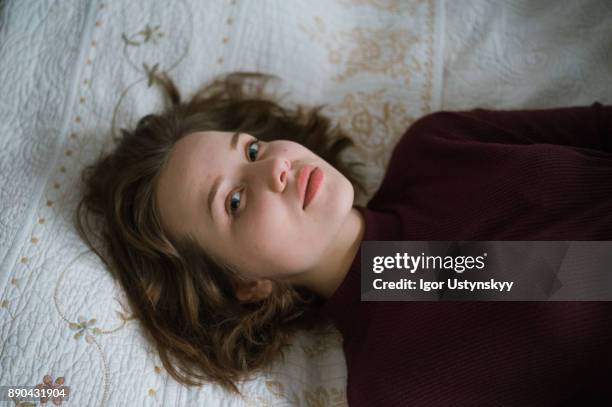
(230,222)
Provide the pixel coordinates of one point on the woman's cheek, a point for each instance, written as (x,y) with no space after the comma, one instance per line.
(273,218)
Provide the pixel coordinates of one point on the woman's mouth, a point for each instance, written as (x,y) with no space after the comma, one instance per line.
(313,185)
(309,180)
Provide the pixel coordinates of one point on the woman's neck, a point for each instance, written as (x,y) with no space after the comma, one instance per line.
(326,279)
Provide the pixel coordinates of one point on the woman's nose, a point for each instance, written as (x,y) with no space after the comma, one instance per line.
(277,174)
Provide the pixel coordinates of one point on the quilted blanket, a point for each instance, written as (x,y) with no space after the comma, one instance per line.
(72,73)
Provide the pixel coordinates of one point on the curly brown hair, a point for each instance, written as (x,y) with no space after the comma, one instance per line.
(181,295)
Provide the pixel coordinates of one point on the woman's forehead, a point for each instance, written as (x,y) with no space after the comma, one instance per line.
(181,180)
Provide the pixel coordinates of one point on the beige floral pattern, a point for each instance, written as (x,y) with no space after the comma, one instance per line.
(322,341)
(373,51)
(372,118)
(391,6)
(317,397)
(49,384)
(82,327)
(148,34)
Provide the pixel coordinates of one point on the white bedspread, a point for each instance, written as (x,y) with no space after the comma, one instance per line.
(73,72)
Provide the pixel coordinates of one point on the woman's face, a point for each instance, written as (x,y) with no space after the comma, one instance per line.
(256,222)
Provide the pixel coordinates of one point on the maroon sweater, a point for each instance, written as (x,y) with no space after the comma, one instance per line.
(485,175)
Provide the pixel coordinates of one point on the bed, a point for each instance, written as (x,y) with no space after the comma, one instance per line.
(72,73)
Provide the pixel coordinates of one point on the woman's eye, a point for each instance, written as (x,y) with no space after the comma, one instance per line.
(251,150)
(234,202)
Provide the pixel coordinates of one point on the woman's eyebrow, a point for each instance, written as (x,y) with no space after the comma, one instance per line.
(215,186)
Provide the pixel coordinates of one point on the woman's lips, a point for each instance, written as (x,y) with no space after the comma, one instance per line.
(309,180)
(302,181)
(314,183)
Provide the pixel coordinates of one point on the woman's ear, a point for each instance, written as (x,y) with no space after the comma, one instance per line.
(253,291)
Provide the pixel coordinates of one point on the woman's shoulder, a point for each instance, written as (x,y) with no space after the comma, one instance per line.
(432,127)
(444,122)
(438,123)
(423,145)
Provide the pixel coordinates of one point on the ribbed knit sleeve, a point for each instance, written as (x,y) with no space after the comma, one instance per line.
(485,175)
